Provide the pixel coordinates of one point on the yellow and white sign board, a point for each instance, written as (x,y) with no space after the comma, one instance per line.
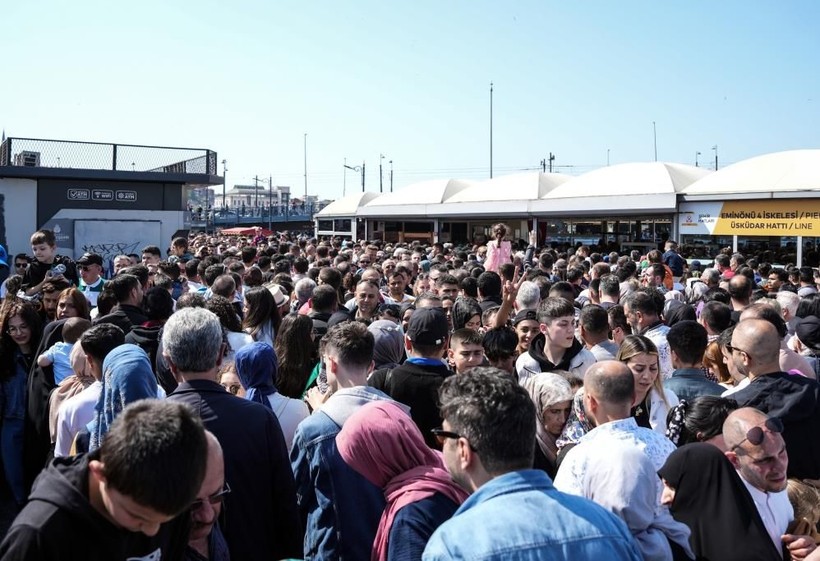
(780,217)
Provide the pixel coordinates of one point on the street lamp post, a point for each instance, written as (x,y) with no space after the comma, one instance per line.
(359,169)
(716,156)
(696,158)
(381,175)
(224,180)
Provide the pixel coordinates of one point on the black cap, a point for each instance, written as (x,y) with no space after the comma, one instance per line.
(428,326)
(90,259)
(808,331)
(524,315)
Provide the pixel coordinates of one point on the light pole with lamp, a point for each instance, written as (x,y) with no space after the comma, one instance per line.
(224,180)
(696,158)
(716,156)
(359,169)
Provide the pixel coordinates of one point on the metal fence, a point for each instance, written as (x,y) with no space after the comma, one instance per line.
(32,152)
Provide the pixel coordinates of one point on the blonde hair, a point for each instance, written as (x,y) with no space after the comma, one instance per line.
(634,345)
(805,499)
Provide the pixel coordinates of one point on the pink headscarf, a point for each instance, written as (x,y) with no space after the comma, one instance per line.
(383,444)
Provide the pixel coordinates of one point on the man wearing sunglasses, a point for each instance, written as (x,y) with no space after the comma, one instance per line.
(792,398)
(755,446)
(514,512)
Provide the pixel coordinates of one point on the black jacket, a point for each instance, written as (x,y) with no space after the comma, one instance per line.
(415,385)
(36,271)
(260,516)
(123,316)
(796,401)
(37,440)
(59,522)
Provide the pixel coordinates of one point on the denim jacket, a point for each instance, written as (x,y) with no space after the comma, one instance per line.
(340,509)
(520,516)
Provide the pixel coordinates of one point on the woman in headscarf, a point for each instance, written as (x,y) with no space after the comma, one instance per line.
(388,351)
(552,396)
(256,367)
(466,313)
(127,377)
(622,479)
(703,490)
(382,443)
(577,426)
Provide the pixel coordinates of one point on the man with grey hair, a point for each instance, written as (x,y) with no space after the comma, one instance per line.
(260,512)
(303,291)
(529,296)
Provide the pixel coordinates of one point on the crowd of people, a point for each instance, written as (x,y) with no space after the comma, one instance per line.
(285,397)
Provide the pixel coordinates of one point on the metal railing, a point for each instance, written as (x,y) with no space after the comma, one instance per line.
(70,154)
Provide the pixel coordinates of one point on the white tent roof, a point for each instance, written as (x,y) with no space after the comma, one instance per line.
(637,187)
(794,170)
(423,193)
(516,187)
(346,206)
(642,178)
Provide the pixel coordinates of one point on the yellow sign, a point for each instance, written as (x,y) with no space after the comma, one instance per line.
(786,217)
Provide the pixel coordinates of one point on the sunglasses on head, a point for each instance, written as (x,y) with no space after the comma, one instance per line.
(755,435)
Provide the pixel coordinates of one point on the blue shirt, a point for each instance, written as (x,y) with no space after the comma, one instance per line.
(520,516)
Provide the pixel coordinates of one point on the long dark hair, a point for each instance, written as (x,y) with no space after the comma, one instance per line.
(28,312)
(296,353)
(261,309)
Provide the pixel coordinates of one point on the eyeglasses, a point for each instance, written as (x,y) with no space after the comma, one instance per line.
(22,265)
(15,329)
(755,435)
(732,350)
(442,435)
(214,499)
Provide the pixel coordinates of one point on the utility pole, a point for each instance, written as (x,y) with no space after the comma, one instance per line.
(491,130)
(391,176)
(551,159)
(362,176)
(716,156)
(270,203)
(655,137)
(306,167)
(224,180)
(256,191)
(543,165)
(696,158)
(381,175)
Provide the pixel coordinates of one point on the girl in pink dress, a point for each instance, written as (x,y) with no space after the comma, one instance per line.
(499,250)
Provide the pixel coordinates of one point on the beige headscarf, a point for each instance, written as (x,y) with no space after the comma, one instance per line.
(547,389)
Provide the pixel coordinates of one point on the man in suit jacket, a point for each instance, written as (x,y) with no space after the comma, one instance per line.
(261,520)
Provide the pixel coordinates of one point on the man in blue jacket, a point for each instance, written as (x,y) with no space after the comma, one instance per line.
(514,512)
(340,509)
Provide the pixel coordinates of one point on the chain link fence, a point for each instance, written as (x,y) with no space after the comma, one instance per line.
(32,152)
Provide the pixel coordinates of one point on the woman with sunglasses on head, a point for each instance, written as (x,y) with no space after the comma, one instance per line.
(652,400)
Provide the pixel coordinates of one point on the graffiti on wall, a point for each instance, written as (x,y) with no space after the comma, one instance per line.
(108,251)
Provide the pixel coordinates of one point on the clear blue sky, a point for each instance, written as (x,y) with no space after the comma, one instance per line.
(411,80)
